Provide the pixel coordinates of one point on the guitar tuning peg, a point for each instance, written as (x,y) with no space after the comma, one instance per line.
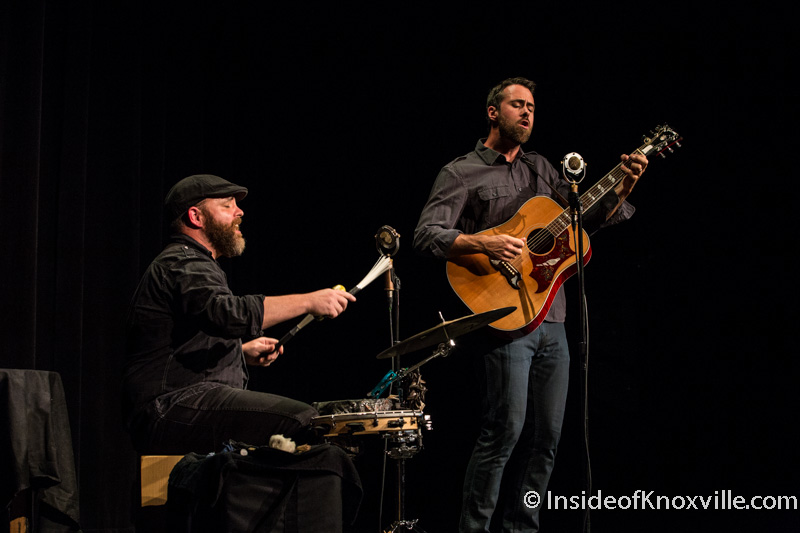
(678,145)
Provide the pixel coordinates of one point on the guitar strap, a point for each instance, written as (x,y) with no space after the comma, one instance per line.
(563,201)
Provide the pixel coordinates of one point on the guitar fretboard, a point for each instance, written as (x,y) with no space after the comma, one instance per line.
(592,196)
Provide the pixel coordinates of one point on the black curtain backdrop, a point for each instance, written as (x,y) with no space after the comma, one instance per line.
(338,119)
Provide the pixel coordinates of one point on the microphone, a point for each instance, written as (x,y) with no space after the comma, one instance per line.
(387,240)
(574,165)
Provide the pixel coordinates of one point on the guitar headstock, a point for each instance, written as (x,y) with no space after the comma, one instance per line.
(661,140)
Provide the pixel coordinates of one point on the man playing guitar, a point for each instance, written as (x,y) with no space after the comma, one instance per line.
(524,379)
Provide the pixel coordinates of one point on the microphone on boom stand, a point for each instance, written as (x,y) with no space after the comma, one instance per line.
(573,168)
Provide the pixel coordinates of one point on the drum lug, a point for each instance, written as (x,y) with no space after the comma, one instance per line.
(355,427)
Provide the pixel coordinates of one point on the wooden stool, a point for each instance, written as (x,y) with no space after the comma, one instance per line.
(155,477)
(20,512)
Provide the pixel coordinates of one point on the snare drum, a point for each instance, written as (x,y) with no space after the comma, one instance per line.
(365,417)
(366,423)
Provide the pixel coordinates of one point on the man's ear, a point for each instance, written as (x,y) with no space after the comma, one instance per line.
(491,112)
(195,217)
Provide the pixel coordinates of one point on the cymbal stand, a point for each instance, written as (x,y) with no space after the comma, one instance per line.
(443,350)
(407,444)
(387,241)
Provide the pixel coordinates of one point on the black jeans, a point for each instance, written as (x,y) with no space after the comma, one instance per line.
(203,417)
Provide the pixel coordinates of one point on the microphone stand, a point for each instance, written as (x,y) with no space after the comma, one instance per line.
(576,208)
(393,299)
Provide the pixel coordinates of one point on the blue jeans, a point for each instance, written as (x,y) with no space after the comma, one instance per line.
(524,389)
(202,417)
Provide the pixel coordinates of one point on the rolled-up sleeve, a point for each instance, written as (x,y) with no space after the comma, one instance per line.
(597,217)
(205,296)
(435,230)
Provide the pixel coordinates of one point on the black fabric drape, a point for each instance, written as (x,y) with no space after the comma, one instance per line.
(103,105)
(81,100)
(37,453)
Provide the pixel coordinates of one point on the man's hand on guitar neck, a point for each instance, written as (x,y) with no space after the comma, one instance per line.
(501,247)
(634,166)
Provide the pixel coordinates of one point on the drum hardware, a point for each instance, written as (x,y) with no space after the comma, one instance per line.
(404,429)
(443,335)
(405,446)
(400,429)
(409,525)
(408,445)
(365,423)
(392,377)
(354,427)
(445,332)
(396,424)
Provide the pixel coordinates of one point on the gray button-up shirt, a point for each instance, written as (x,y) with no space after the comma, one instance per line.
(481,190)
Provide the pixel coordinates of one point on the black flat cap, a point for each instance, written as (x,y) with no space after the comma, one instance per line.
(192,190)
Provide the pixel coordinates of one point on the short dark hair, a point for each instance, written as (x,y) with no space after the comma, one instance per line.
(177,225)
(495,95)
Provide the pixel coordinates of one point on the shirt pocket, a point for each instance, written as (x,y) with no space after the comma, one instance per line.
(492,206)
(494,192)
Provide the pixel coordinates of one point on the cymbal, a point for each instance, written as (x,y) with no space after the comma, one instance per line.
(444,331)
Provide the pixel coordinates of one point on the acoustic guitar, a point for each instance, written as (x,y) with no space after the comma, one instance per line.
(531,280)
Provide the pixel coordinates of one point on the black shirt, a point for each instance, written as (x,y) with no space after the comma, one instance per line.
(184,325)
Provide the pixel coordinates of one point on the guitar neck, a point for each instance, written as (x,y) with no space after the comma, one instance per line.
(529,285)
(588,199)
(609,182)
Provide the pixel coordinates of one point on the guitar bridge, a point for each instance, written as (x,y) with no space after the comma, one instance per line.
(509,272)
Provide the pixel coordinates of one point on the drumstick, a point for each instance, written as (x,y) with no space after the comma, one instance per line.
(382,265)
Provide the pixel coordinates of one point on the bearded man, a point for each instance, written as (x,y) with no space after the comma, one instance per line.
(523,382)
(185,374)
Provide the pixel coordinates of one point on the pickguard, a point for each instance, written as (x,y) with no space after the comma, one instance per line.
(546,266)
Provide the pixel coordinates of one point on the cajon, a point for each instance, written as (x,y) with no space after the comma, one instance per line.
(155,477)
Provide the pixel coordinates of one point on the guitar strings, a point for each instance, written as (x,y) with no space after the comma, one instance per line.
(557,226)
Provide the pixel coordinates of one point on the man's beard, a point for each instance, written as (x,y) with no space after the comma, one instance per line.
(511,131)
(224,238)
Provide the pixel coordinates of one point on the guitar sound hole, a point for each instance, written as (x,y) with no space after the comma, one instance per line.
(541,241)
